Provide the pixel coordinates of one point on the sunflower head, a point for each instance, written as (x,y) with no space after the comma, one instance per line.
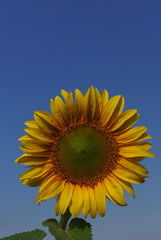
(84,152)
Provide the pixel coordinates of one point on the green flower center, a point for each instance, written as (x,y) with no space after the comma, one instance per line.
(83,153)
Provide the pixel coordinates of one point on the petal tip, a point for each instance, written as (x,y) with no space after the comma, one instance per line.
(151,155)
(38,200)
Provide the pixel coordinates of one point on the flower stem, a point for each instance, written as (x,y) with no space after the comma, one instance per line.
(64,219)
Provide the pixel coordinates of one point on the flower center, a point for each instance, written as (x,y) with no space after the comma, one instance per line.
(84,154)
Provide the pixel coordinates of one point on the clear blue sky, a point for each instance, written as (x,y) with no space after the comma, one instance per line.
(46,46)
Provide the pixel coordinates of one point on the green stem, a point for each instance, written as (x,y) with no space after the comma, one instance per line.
(64,219)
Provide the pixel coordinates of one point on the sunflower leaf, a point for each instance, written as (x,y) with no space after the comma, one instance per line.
(36,234)
(56,230)
(79,229)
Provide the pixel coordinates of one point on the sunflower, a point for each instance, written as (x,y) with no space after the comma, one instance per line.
(84,152)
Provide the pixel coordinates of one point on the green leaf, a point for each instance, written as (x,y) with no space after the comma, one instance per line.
(36,234)
(79,229)
(55,229)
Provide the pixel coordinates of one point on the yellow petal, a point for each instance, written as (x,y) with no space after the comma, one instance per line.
(49,180)
(115,190)
(27,138)
(109,109)
(57,206)
(31,124)
(100,199)
(36,172)
(50,191)
(46,121)
(131,134)
(77,201)
(91,104)
(62,110)
(98,104)
(125,120)
(86,202)
(52,106)
(93,210)
(144,136)
(135,151)
(135,159)
(80,108)
(69,104)
(118,110)
(58,117)
(29,159)
(126,185)
(128,175)
(65,197)
(104,96)
(71,108)
(145,145)
(39,134)
(86,97)
(136,167)
(32,182)
(64,94)
(120,106)
(107,193)
(31,145)
(37,151)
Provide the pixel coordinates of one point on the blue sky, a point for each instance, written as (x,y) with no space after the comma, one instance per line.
(46,46)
